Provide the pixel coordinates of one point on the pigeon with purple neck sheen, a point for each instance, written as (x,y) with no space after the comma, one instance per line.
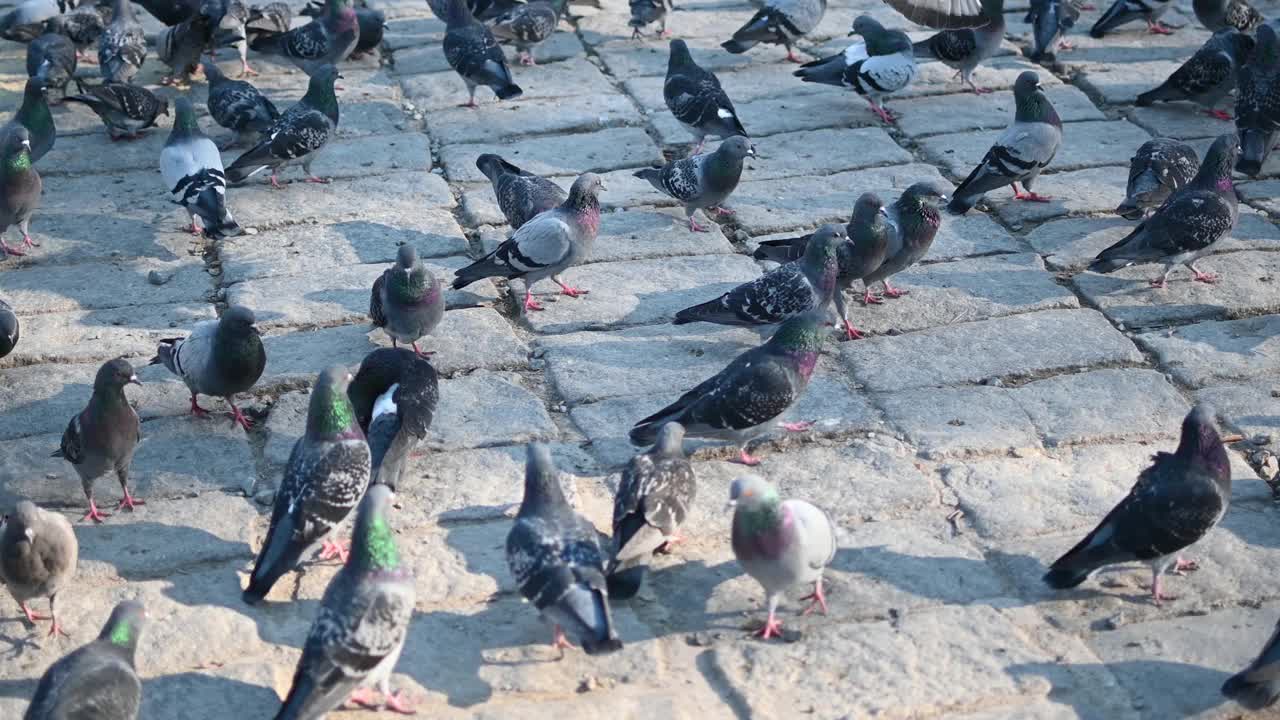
(521,194)
(98,680)
(10,329)
(473,52)
(20,187)
(220,357)
(102,438)
(322,43)
(38,554)
(394,395)
(123,45)
(779,22)
(915,216)
(696,99)
(963,50)
(298,136)
(1258,102)
(407,301)
(1258,685)
(1160,166)
(702,181)
(370,21)
(882,64)
(1208,76)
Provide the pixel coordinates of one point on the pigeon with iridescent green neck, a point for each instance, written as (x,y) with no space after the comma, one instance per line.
(98,680)
(20,188)
(297,136)
(407,301)
(35,116)
(103,437)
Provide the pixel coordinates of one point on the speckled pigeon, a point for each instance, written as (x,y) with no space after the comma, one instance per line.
(232,31)
(527,25)
(407,301)
(371,24)
(1187,225)
(394,394)
(220,357)
(10,329)
(297,136)
(696,99)
(98,680)
(654,495)
(83,27)
(57,54)
(1020,153)
(1050,20)
(473,53)
(238,106)
(916,217)
(545,246)
(191,168)
(20,188)
(102,438)
(318,45)
(1219,14)
(1258,102)
(780,543)
(180,46)
(38,554)
(1206,78)
(35,116)
(272,17)
(647,12)
(779,22)
(1175,503)
(1258,686)
(963,50)
(702,181)
(123,46)
(878,67)
(125,110)
(1160,166)
(521,194)
(1126,11)
(555,556)
(745,400)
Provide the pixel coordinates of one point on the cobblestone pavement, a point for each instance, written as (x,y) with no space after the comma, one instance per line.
(996,413)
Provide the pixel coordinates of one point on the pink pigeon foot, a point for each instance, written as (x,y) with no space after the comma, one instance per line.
(32,616)
(559,640)
(694,226)
(422,354)
(722,211)
(772,628)
(1157,592)
(318,180)
(196,409)
(791,57)
(893,292)
(1066,45)
(1158,28)
(470,104)
(818,597)
(664,33)
(331,549)
(129,501)
(797,426)
(27,242)
(246,71)
(527,59)
(95,514)
(572,291)
(666,547)
(1219,114)
(698,149)
(395,703)
(1160,282)
(979,90)
(275,181)
(10,250)
(1028,196)
(870,298)
(1182,566)
(1204,277)
(238,418)
(746,459)
(530,303)
(888,117)
(851,332)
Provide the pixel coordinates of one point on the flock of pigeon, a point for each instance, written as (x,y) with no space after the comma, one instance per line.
(361,428)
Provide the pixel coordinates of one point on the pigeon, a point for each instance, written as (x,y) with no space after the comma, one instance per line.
(327,473)
(10,329)
(20,188)
(220,357)
(779,22)
(191,168)
(547,245)
(104,435)
(370,24)
(963,50)
(98,680)
(696,99)
(83,27)
(1186,226)
(297,136)
(654,496)
(521,194)
(38,553)
(1020,153)
(394,394)
(35,116)
(407,301)
(556,558)
(180,46)
(648,12)
(318,45)
(1258,102)
(1219,14)
(784,292)
(1160,166)
(1126,11)
(123,46)
(473,53)
(744,401)
(275,17)
(942,14)
(171,12)
(880,66)
(1258,686)
(126,110)
(52,58)
(26,21)
(780,543)
(364,617)
(232,31)
(527,25)
(1050,20)
(1209,76)
(702,181)
(238,106)
(1175,503)
(916,216)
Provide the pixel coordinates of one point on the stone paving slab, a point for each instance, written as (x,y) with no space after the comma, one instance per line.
(1077,192)
(100,286)
(936,114)
(820,152)
(394,197)
(1176,120)
(137,194)
(1073,244)
(636,234)
(82,336)
(78,237)
(1119,84)
(496,120)
(1084,145)
(564,155)
(1213,352)
(429,57)
(631,59)
(1249,407)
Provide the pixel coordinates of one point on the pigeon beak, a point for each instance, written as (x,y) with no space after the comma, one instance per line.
(884,211)
(133,380)
(26,144)
(30,533)
(751,150)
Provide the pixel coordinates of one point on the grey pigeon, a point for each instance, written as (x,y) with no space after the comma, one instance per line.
(1175,503)
(98,680)
(394,395)
(10,329)
(881,65)
(696,99)
(473,53)
(1025,148)
(655,493)
(1219,14)
(1258,686)
(233,31)
(272,17)
(527,25)
(83,27)
(1126,11)
(1258,102)
(1160,166)
(1208,76)
(786,291)
(779,22)
(220,357)
(555,556)
(102,438)
(35,116)
(745,400)
(326,475)
(126,110)
(123,46)
(371,24)
(963,50)
(53,59)
(191,168)
(1187,225)
(648,12)
(407,301)
(521,194)
(20,188)
(780,543)
(180,46)
(24,22)
(298,136)
(318,45)
(364,617)
(1050,20)
(702,181)
(545,246)
(238,106)
(916,217)
(38,554)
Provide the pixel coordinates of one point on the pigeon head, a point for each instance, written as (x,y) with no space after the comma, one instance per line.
(124,626)
(17,149)
(680,55)
(926,192)
(211,70)
(373,544)
(737,148)
(1031,104)
(541,482)
(920,203)
(330,413)
(20,525)
(801,335)
(670,439)
(750,493)
(238,316)
(320,93)
(1201,444)
(1219,161)
(867,27)
(867,207)
(114,374)
(822,254)
(184,117)
(492,165)
(585,192)
(406,257)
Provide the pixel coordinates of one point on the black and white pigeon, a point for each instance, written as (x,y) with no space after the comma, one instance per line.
(745,399)
(191,168)
(1258,686)
(35,116)
(1258,102)
(320,44)
(98,680)
(1185,228)
(1219,14)
(1175,503)
(20,188)
(1208,76)
(883,64)
(220,357)
(10,329)
(180,46)
(1025,148)
(528,25)
(545,246)
(357,636)
(702,181)
(1160,166)
(52,58)
(407,301)
(521,194)
(696,99)
(1050,20)
(655,493)
(915,216)
(38,555)
(371,23)
(555,556)
(394,394)
(297,136)
(786,291)
(779,22)
(102,438)
(83,26)
(327,473)
(1126,11)
(126,110)
(963,50)
(123,46)
(238,106)
(648,12)
(473,52)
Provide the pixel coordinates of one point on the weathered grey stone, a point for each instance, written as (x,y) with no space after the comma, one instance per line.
(567,155)
(1249,407)
(1263,194)
(358,157)
(936,114)
(1084,145)
(94,153)
(79,237)
(82,336)
(1121,83)
(1127,44)
(1213,352)
(1176,120)
(1073,244)
(1072,193)
(626,58)
(104,286)
(762,80)
(375,117)
(395,198)
(137,194)
(1129,405)
(604,27)
(820,152)
(958,421)
(834,108)
(440,90)
(495,120)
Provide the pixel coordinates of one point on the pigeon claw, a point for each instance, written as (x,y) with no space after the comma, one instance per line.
(1066,45)
(420,353)
(870,298)
(772,628)
(28,242)
(818,597)
(1204,277)
(331,549)
(559,641)
(95,514)
(747,459)
(246,71)
(722,211)
(32,616)
(129,501)
(1182,566)
(318,180)
(531,304)
(666,547)
(797,426)
(1160,282)
(791,57)
(893,292)
(238,418)
(1159,28)
(851,332)
(695,227)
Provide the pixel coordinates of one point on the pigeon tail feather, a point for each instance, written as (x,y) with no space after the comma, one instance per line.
(1250,693)
(278,556)
(828,71)
(624,583)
